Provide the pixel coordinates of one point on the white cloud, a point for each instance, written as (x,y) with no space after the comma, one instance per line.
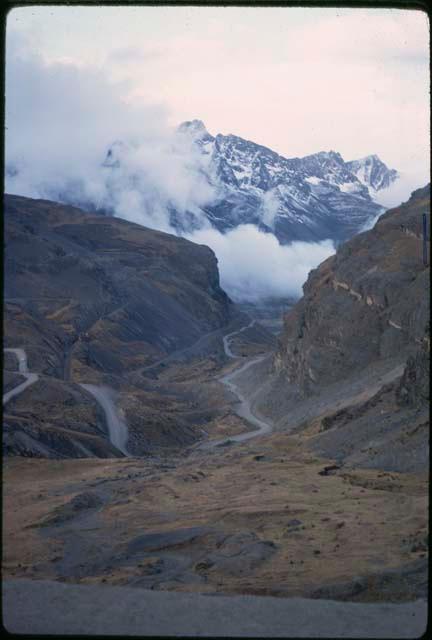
(270,206)
(59,145)
(254,266)
(62,119)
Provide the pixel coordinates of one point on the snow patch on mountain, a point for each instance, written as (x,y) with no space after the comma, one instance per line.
(373,173)
(312,198)
(313,180)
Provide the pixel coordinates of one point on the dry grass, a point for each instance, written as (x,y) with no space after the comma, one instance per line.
(351,523)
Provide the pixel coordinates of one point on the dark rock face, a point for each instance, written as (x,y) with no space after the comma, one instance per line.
(368,302)
(377,433)
(70,276)
(90,299)
(413,389)
(365,317)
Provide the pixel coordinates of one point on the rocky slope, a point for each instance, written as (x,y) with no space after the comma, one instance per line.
(368,301)
(362,323)
(261,517)
(92,299)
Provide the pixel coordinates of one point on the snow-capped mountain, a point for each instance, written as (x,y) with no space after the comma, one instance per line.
(193,179)
(312,198)
(372,172)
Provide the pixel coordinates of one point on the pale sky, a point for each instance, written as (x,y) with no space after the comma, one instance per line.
(298,80)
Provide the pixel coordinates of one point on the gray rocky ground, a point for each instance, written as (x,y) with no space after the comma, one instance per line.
(44,607)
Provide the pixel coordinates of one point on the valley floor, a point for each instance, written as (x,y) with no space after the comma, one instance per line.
(263,517)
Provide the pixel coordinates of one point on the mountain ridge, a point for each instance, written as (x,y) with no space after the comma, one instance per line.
(313,198)
(194,180)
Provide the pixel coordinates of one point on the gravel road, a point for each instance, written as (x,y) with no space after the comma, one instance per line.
(48,607)
(23,370)
(117,427)
(243,407)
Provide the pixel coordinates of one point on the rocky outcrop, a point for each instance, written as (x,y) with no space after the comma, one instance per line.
(390,430)
(352,367)
(368,302)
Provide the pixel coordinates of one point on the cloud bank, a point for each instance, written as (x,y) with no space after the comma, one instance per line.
(400,190)
(61,121)
(254,266)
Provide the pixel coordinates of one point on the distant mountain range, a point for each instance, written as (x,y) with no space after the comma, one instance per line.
(312,198)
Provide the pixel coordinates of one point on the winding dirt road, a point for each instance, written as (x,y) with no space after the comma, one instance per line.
(31,378)
(117,427)
(243,408)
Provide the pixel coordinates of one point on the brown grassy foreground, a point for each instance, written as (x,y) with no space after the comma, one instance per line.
(256,518)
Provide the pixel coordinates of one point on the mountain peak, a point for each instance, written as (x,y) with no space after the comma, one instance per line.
(312,198)
(373,172)
(372,157)
(326,155)
(195,128)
